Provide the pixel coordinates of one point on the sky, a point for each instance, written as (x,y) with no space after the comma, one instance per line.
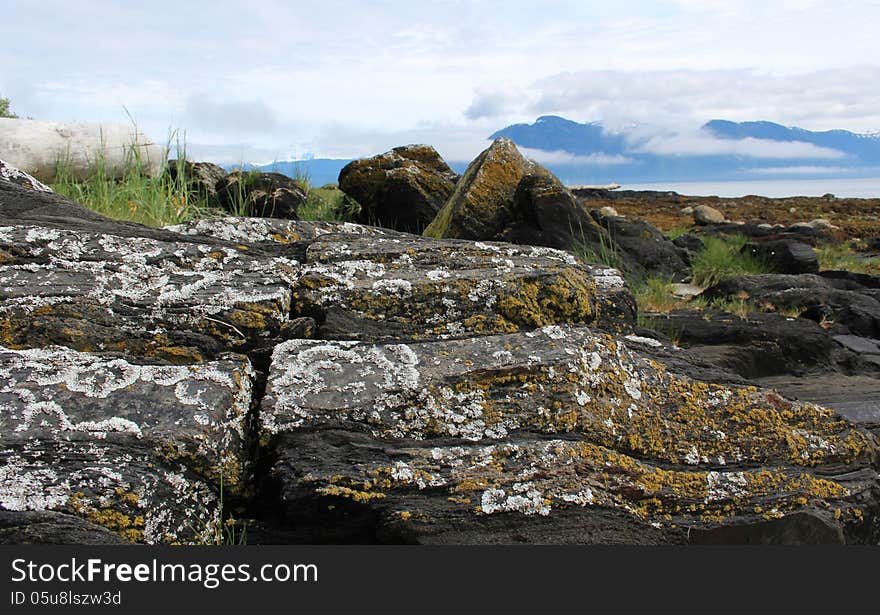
(272,80)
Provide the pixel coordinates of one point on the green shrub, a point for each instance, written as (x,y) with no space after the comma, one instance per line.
(4,108)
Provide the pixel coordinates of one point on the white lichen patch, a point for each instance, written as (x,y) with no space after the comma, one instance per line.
(163,282)
(52,394)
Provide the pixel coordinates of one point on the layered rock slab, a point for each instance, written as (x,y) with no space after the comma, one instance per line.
(100,291)
(410,288)
(140,449)
(413,442)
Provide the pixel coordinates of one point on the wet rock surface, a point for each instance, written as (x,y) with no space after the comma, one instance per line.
(344,383)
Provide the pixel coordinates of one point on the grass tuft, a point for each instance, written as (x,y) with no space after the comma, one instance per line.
(721,259)
(136,197)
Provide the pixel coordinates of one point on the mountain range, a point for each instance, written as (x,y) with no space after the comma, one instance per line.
(719,150)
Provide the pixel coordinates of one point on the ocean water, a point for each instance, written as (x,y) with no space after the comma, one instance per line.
(863,188)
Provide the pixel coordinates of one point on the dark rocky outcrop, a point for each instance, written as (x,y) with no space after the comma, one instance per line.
(642,249)
(402,189)
(784,256)
(834,301)
(343,383)
(200,178)
(266,195)
(759,344)
(47,527)
(544,213)
(481,206)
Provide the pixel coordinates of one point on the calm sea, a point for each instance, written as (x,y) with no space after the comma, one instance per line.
(863,188)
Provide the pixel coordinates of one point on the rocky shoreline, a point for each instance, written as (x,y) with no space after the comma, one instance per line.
(478,384)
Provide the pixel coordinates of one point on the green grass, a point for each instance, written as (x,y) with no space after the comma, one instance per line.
(678,231)
(606,253)
(327,203)
(654,294)
(161,201)
(840,257)
(136,196)
(721,259)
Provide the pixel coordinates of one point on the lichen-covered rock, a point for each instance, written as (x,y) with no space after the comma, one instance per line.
(9,173)
(402,189)
(407,288)
(97,291)
(481,205)
(138,448)
(256,230)
(545,213)
(265,195)
(528,425)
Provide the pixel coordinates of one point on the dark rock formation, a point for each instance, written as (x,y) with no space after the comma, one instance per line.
(481,206)
(760,344)
(642,249)
(200,178)
(784,256)
(266,195)
(52,528)
(544,213)
(841,301)
(402,189)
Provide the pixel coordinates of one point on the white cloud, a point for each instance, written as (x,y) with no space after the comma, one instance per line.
(231,117)
(703,144)
(335,76)
(561,157)
(801,170)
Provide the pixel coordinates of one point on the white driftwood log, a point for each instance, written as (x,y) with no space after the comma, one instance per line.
(37,147)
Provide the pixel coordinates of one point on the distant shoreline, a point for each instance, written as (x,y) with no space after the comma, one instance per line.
(854,188)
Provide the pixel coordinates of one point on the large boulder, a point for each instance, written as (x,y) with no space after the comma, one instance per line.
(545,213)
(264,195)
(482,204)
(784,255)
(704,214)
(556,435)
(37,148)
(402,189)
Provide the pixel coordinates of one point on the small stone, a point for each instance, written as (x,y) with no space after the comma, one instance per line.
(703,214)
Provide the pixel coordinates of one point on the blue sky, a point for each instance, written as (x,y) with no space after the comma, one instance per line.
(275,80)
